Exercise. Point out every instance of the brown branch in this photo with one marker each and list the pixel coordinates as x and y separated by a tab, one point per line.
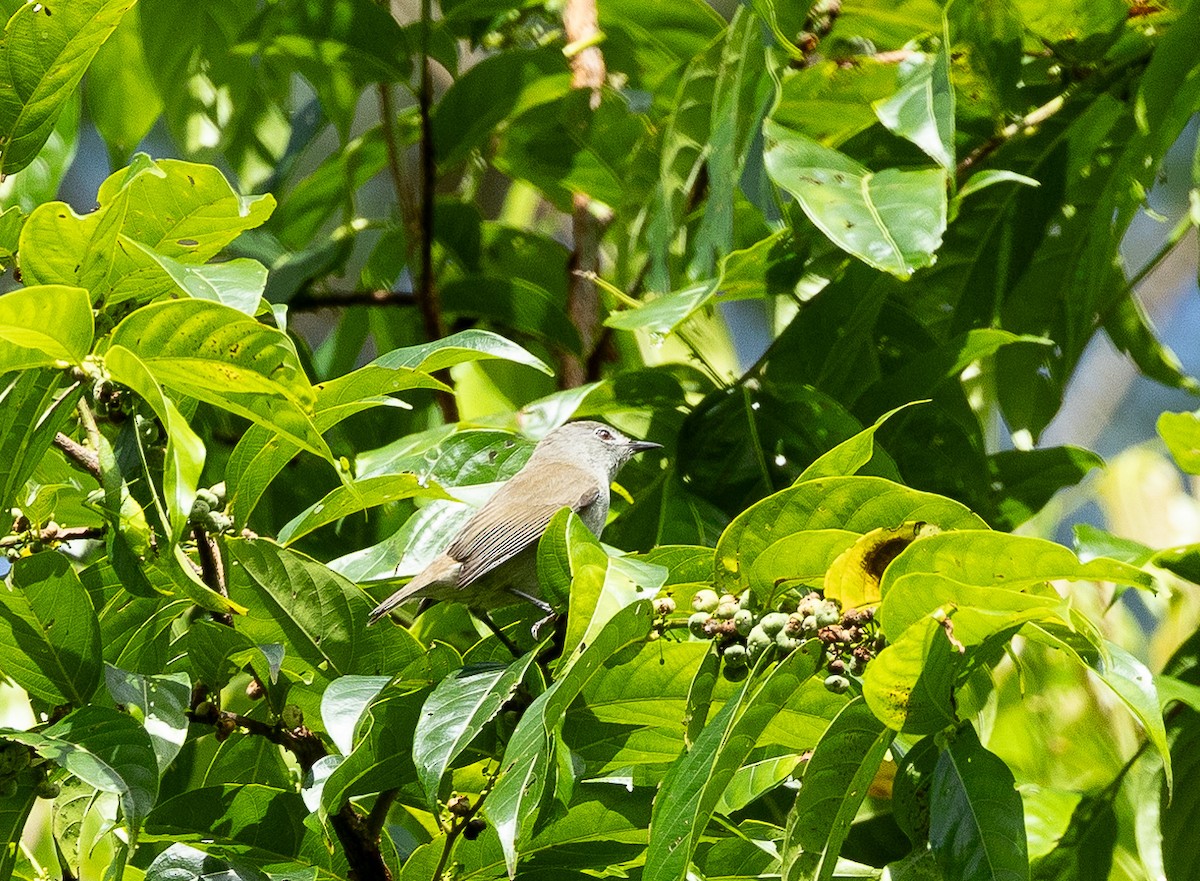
1025	125
310	302
212	571
588	221
70	533
379	811
79	454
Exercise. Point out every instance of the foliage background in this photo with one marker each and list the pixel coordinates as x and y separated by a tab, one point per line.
283	102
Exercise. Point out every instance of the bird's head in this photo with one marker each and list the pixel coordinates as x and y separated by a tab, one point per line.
593	445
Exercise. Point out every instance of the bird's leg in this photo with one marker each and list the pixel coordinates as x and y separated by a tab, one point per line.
500	634
551	615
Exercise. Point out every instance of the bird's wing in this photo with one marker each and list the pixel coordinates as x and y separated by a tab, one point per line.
491	537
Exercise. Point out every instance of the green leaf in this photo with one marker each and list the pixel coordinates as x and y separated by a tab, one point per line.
856	504
693	787
1179	813
892	220
216	354
909	685
249	820
1029	478
32	409
1086	850
322	616
1131	330
528	758
459	708
185	451
122	100
11	221
369	492
797	562
28	340
42	59
342	705
237	283
851	454
107	750
163	702
835	782
922	110
1181	433
49	635
179	862
382	757
14	812
39	181
460	348
513	303
977	826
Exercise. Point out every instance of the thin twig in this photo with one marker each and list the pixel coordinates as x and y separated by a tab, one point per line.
212	571
379	811
71	533
460	825
1024	125
311	302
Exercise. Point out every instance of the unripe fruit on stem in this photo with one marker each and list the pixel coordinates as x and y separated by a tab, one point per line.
837	666
254	690
664	606
809	626
726	611
758	642
837	684
705	600
827	615
786	642
48	789
743	621
292	716
773	622
735	655
696	624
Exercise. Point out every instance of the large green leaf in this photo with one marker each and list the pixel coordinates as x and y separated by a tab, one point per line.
1181	433
42	59
322	617
122	100
459	708
892	219
49	635
214	353
32	409
529	757
163	702
358	496
28	340
14	811
922	110
107	750
185	451
976	821
856	504
851	454
833	787
693	787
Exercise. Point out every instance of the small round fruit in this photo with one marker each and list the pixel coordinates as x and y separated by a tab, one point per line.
664	606
209	498
735	655
837	684
837	666
292	716
696	624
218	490
810	626
200	509
735	674
254	690
705	600
474	828
773	622
827	614
726	611
48	789
758	642
785	642
743	620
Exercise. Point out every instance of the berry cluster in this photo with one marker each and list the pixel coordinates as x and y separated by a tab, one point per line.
15	759
850	638
208	510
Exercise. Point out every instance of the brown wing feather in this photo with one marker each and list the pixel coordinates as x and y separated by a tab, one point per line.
491	538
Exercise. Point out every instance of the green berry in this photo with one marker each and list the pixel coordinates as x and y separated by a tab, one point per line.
809	625
48	789
773	622
827	614
787	642
664	606
837	684
705	600
292	716
735	655
743	620
209	498
200	509
726	611
758	642
218	490
696	624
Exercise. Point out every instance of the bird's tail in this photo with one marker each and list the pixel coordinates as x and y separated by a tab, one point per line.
433	575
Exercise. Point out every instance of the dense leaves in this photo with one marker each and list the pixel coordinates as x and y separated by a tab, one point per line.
827	255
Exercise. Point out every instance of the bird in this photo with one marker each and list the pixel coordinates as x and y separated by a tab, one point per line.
492	561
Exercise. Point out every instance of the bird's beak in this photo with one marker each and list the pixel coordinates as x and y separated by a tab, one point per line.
638	446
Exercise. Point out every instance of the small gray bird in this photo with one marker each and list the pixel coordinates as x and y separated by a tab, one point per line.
493	561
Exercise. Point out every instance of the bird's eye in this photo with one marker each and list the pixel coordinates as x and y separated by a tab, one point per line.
604	434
